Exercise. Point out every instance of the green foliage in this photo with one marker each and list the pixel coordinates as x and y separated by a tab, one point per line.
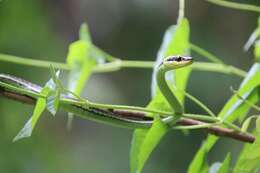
29	126
176	41
84	57
143	143
249	158
199	163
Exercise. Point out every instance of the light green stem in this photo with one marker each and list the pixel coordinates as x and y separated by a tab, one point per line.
193	127
234	5
118	64
181	10
206	54
220	68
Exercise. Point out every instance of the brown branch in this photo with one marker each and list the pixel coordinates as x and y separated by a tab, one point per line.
215	130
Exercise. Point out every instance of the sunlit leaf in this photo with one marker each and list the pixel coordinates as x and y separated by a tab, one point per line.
257	51
53	96
29	126
214	167
219	167
257	124
249	159
52	101
235	108
84	33
175	42
199	162
246	123
137	141
225	166
253	37
82	59
140	153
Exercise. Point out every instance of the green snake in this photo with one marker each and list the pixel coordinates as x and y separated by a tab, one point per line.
14	87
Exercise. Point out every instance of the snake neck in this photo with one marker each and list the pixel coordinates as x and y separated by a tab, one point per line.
166	91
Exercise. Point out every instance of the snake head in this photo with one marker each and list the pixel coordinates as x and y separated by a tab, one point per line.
177	61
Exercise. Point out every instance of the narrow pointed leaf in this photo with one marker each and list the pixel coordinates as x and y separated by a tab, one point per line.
225	166
257	124
137	141
29	126
81	61
235	108
199	162
249	159
52	101
221	167
175	42
84	33
246	123
147	145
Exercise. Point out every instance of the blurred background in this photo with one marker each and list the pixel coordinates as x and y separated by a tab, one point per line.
130	30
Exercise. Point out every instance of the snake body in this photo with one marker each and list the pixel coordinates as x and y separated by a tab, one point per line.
106	116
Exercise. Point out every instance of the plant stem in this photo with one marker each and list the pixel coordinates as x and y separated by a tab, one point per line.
216	130
181	10
192	127
205	53
118	64
234	5
220	68
32	62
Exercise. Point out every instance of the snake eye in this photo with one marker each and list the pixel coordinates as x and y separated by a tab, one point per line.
179	58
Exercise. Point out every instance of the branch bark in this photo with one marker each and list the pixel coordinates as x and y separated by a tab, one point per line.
215	130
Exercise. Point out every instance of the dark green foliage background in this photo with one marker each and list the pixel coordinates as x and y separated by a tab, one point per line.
129	30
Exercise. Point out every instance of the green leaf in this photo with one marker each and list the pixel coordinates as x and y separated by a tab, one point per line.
52	101
246	123
214	167
199	162
249	159
175	42
253	37
140	153
221	167
29	126
137	141
84	33
257	124
257	51
224	168
82	59
235	108
53	96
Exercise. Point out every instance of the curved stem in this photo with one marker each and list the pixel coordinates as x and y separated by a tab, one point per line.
205	53
234	5
118	64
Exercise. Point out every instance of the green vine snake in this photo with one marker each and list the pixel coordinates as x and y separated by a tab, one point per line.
14	87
